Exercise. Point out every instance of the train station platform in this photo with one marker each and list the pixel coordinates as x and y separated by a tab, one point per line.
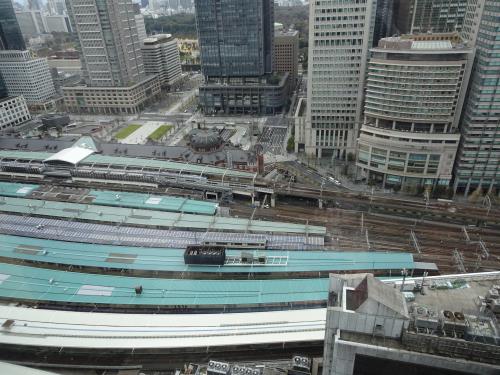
150	218
44	286
172	260
153	202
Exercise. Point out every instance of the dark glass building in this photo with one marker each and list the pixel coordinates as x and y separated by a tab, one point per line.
10	33
235	37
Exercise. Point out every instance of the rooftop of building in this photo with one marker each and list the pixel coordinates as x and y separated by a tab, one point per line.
458	311
287	32
158	39
430	43
118	154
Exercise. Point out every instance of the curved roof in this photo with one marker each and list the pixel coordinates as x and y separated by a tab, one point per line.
71	155
52	328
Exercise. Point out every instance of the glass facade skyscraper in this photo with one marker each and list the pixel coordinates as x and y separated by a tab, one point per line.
235	37
478	159
10	33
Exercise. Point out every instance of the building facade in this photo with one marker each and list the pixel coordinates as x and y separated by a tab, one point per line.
141	27
108	41
10	33
341	33
235	37
437	16
286	54
236	40
31	22
161	56
112	100
415	92
266	95
58	23
478	159
13	112
28	76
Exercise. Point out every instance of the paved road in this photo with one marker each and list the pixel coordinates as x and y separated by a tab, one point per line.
311	175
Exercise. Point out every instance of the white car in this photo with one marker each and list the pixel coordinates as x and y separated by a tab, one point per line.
336	182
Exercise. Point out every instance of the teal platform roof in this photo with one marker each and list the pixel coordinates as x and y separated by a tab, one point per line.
172	260
11	189
137	162
153	202
124	216
37	284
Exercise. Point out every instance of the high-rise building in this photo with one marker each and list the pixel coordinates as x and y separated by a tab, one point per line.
437	16
161	57
56	7
286	53
112	65
235	37
13	112
31	22
10	33
341	33
384	20
478	159
141	27
28	76
109	43
415	91
236	47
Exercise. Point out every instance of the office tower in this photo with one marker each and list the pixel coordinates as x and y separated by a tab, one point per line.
286	53
438	16
31	22
235	37
34	5
10	33
384	22
28	76
341	33
236	44
478	159
141	27
57	23
56	7
161	57
13	112
415	91
109	44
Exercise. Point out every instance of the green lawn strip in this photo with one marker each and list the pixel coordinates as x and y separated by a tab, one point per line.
125	132
160	132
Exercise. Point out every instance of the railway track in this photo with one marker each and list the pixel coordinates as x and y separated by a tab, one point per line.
347	232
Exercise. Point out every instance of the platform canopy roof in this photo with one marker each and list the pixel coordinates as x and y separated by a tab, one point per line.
72	155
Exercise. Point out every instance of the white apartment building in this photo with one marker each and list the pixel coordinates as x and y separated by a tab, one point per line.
13	112
28	76
109	42
341	33
415	91
161	56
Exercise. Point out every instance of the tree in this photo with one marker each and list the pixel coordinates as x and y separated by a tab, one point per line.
290	146
476	195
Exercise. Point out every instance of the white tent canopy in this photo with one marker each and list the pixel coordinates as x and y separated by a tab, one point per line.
72	155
